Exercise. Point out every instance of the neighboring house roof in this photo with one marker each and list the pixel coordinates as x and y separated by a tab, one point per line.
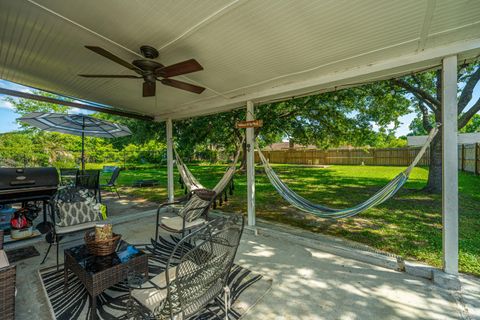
286	145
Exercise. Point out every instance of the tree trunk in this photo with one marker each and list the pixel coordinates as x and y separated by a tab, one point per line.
434	184
243	164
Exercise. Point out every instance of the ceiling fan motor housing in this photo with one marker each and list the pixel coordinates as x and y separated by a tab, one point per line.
149	52
147	65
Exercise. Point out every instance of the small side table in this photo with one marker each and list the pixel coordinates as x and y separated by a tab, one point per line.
100	273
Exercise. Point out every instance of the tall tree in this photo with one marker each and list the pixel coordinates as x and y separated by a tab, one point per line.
344	117
425	93
142	131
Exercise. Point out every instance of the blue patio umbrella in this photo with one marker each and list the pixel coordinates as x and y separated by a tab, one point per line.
76	124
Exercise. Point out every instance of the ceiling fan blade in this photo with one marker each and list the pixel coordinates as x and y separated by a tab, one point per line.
108	76
182	85
149	89
112	57
180	68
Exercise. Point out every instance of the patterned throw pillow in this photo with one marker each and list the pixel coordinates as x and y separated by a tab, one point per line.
76	213
75	206
193	209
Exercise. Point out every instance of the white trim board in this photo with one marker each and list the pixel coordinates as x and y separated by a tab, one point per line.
463	138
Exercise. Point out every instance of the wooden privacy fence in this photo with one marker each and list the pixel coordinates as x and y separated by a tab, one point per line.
469	157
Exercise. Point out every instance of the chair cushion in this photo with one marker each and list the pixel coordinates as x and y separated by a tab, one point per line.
193	208
153	297
176	223
3	259
76	213
76	227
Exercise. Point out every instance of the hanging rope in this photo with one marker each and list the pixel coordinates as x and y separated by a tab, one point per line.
326	212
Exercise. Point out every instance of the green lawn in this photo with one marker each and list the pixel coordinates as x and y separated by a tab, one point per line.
408	225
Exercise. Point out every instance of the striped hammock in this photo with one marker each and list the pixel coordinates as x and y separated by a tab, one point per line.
325	212
191	183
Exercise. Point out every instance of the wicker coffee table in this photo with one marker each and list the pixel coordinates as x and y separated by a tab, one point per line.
99	273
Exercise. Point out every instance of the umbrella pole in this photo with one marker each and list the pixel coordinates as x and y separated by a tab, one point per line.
83	145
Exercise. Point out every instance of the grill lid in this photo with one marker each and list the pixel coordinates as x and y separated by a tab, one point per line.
19	178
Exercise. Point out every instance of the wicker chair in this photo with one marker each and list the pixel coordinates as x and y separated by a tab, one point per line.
197	273
7	285
191	216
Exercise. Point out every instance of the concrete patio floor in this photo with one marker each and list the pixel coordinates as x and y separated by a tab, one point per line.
307	283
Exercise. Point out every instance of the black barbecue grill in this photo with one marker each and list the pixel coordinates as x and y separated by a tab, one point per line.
19	185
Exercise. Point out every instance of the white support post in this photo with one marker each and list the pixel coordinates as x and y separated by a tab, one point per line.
170	183
450	166
250	140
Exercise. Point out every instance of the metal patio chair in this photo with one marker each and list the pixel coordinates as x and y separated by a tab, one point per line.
196	273
192	215
70	212
89	179
68	176
111	183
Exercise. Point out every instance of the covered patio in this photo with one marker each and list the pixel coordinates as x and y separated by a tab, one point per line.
307	282
254	52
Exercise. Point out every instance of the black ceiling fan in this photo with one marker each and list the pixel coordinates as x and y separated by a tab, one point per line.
151	71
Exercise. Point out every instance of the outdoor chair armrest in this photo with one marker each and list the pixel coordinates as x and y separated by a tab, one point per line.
167	204
158	215
184	198
154	286
51	210
178	201
203	208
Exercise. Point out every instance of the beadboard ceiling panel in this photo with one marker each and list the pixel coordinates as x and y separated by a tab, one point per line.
259	50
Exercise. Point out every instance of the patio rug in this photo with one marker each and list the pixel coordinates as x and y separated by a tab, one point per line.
16	255
247	288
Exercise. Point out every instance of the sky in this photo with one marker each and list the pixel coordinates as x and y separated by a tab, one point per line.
8	116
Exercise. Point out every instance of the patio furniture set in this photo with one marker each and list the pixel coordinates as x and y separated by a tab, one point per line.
197	268
196	271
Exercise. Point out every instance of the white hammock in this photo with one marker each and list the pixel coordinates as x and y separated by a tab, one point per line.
323	211
192	183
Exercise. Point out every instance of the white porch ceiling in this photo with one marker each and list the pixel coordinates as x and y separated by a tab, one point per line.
259	50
